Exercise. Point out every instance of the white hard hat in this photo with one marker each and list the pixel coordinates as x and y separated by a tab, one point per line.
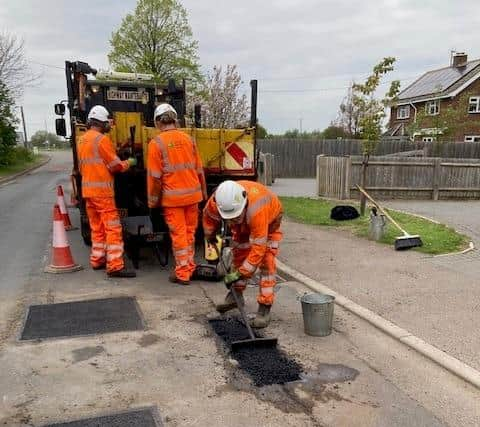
162	109
98	112
231	199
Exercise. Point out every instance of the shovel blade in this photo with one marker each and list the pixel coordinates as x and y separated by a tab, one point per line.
252	344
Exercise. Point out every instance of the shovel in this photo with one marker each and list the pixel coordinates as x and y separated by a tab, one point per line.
253	342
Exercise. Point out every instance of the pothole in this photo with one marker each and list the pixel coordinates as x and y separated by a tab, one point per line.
275	377
264	366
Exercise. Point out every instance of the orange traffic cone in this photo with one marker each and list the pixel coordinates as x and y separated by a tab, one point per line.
62	260
63	209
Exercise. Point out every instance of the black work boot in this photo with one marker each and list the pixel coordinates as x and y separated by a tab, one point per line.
262	319
122	273
174	279
229	302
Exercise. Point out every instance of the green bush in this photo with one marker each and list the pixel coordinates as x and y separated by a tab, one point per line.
7	127
23	155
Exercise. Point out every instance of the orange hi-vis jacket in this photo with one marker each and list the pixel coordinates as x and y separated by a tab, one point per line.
98	162
174	171
262	219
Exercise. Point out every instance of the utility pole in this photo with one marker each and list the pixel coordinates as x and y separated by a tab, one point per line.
25	142
301	127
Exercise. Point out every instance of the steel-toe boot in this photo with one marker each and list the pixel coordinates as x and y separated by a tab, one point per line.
262	319
229	302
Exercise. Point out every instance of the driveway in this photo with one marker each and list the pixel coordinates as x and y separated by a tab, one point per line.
462	215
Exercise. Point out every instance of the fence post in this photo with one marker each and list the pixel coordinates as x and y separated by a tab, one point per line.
262	169
348	167
436	177
320	181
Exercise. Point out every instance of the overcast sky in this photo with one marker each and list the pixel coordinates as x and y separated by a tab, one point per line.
303	52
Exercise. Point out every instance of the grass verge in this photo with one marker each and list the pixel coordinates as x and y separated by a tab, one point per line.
20	165
437	238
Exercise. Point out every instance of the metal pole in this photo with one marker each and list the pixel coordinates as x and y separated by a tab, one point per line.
253	106
25	142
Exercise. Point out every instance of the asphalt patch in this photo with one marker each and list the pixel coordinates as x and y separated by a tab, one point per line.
82	318
138	418
265	366
85	353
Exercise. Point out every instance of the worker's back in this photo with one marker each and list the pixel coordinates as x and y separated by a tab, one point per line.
173	157
97	180
261	202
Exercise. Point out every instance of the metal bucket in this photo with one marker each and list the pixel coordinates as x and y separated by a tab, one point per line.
317	312
376	229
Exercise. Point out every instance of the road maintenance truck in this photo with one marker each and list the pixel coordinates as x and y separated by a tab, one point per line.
131	99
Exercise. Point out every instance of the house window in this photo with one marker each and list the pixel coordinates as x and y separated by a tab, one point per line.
474	104
403	112
472	138
428	139
432	108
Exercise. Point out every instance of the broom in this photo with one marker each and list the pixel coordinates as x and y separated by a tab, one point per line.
407	241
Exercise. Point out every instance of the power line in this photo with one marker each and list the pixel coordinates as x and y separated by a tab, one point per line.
46	65
325	89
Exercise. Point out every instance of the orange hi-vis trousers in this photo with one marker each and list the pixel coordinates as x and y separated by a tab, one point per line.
182	223
268	269
107	239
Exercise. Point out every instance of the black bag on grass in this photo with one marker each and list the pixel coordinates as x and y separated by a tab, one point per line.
343	213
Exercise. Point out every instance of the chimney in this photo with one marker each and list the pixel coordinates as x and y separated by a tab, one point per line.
459	60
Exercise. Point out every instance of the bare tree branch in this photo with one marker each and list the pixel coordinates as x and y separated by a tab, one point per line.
14	69
223	106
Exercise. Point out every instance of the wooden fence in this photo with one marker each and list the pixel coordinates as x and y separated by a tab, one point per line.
295	158
400	177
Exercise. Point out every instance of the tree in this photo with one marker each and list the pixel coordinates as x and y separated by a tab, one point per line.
296	134
262	133
334	132
41	138
223	104
156	38
14	70
372	112
8	135
349	115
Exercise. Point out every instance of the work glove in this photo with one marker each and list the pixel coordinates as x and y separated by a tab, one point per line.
132	161
232	277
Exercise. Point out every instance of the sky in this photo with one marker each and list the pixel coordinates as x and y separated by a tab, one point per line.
304	53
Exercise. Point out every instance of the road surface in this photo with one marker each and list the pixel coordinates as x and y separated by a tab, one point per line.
25	225
357	376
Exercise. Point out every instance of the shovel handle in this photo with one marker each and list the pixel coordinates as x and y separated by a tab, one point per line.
241	308
383	211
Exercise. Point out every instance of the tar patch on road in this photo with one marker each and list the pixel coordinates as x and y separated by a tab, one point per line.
138	418
82	318
263	366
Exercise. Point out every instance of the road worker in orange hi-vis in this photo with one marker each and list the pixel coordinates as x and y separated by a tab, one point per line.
176	183
253	214
98	162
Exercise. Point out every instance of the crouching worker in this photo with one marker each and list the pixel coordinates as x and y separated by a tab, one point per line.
98	162
176	183
253	214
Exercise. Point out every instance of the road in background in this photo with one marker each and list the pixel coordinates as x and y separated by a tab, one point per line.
25	226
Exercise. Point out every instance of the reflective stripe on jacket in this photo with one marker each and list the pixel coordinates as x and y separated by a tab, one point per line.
262	218
98	162
174	171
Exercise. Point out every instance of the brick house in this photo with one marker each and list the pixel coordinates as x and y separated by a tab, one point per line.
453	91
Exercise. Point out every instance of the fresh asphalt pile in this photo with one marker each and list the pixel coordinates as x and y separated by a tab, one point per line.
265	366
